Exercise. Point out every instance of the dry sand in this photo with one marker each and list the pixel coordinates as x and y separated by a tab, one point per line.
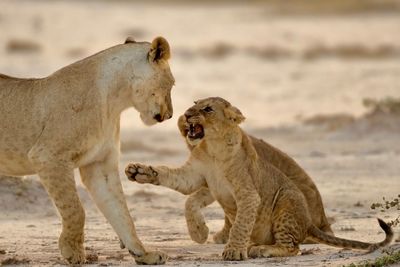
278	69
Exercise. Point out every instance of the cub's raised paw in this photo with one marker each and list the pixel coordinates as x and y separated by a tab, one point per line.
142	174
198	231
151	258
234	254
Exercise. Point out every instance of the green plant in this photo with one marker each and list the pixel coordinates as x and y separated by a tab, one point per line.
388	105
391	257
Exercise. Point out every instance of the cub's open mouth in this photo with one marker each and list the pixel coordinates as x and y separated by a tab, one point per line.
196	131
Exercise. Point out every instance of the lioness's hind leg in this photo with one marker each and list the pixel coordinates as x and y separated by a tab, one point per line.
60	185
196	224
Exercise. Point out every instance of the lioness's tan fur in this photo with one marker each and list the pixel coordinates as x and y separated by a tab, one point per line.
268	212
70	119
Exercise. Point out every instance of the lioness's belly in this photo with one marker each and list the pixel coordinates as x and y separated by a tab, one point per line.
15	164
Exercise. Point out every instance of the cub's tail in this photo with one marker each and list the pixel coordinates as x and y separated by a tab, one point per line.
324	238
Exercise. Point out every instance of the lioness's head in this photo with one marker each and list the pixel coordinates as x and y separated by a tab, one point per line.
209	118
151	80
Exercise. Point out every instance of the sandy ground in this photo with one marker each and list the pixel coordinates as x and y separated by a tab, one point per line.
278	69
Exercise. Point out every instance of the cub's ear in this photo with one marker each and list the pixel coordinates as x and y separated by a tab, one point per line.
159	50
233	114
130	40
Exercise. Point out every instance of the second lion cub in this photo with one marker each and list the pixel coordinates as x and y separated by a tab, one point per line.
268	212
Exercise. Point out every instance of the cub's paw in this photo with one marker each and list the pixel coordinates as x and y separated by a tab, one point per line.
151	258
221	237
198	231
234	254
142	174
258	252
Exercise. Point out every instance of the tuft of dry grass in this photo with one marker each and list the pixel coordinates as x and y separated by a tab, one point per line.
342	51
316	7
330	122
218	50
269	52
351	51
22	46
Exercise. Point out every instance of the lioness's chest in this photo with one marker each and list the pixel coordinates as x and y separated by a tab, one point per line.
97	147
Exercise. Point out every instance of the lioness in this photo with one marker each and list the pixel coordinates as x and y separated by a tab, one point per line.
268	212
71	119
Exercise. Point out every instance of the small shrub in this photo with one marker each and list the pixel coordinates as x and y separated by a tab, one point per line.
389	204
389	105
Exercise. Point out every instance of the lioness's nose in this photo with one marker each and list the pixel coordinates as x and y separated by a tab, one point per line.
158	117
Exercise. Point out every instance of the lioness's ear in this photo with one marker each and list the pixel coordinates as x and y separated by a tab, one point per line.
159	50
130	40
233	114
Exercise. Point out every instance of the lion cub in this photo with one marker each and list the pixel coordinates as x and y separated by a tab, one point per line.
268	212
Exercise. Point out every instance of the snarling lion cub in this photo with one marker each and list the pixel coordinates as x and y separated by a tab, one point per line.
268	212
71	119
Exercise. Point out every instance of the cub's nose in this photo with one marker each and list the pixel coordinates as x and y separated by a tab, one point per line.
189	113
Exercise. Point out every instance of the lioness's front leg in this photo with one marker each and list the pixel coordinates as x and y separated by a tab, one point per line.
103	182
185	179
247	202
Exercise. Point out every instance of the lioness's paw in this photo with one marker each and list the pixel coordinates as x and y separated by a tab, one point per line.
234	254
151	258
71	250
142	174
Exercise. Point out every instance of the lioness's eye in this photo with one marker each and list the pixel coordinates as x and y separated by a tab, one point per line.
208	109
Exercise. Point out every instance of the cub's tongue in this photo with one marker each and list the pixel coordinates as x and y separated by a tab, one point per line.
196	131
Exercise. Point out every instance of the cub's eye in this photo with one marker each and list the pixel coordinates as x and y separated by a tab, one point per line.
208	109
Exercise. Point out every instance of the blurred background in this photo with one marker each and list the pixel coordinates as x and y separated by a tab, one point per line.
318	79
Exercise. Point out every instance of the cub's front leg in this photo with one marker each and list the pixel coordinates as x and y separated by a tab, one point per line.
195	221
247	202
185	179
